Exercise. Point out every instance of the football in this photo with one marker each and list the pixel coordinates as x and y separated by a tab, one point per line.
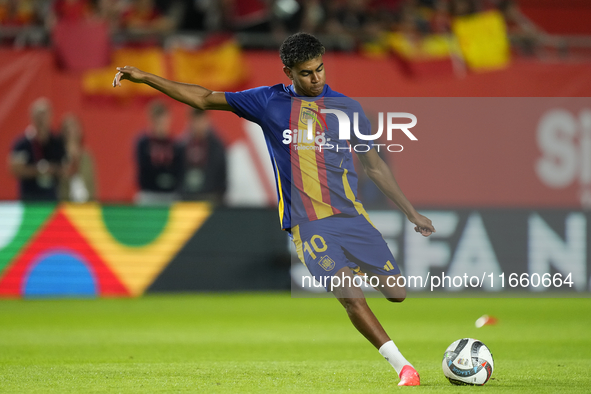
468	361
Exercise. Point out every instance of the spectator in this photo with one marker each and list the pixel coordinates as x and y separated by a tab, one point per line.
415	18
313	14
69	11
250	16
194	15
364	21
110	12
143	18
441	19
205	161
200	15
159	160
347	17
463	7
21	22
525	35
19	13
36	158
78	181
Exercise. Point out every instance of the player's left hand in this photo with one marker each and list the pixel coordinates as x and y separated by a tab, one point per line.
423	225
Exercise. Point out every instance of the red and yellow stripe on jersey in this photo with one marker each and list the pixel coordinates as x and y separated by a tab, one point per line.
308	166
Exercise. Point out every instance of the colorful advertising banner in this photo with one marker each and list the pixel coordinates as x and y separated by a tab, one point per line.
487	251
90	250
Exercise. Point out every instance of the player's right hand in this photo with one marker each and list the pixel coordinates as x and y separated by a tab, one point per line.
129	73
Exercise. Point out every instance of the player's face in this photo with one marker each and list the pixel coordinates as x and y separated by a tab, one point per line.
308	77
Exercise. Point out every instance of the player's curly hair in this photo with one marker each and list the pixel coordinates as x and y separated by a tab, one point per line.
299	48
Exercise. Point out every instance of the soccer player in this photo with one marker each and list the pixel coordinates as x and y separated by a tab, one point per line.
316	181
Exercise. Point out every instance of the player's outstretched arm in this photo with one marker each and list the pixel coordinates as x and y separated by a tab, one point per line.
380	174
193	95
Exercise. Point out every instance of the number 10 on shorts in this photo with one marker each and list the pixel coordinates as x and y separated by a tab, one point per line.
317	243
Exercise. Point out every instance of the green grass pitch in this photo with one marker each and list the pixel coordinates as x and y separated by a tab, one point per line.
272	343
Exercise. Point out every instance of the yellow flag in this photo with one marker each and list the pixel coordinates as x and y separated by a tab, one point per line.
483	40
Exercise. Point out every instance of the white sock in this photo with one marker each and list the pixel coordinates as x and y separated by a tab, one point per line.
393	356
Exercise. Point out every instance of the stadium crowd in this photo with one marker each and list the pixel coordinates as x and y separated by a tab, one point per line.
356	20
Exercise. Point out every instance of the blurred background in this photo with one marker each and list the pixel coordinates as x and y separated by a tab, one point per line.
118	192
